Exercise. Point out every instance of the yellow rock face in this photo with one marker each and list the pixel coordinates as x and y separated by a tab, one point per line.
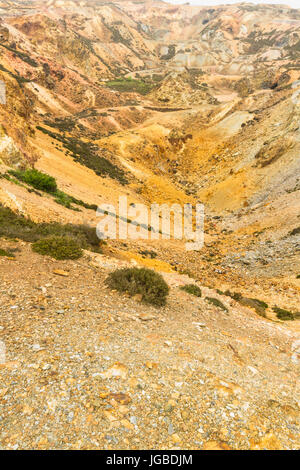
268	442
215	445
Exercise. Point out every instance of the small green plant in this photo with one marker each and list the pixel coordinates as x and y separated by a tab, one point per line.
234	295
216	303
192	289
64	200
283	314
145	282
149	253
220	292
6	253
58	247
298	276
258	305
36	178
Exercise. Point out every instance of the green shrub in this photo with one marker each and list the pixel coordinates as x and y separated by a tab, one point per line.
58	247
37	179
192	289
67	201
6	253
283	314
261	303
220	292
149	253
298	276
149	284
258	305
235	295
216	303
47	183
296	231
64	200
16	226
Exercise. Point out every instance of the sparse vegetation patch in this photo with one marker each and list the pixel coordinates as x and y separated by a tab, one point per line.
15	226
216	303
296	231
258	305
6	253
48	184
130	85
86	153
140	281
22	55
285	315
192	289
58	247
36	179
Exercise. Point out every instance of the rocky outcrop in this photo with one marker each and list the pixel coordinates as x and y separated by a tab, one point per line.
10	155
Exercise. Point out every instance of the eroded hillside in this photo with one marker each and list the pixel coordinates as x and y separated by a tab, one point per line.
167	104
109	101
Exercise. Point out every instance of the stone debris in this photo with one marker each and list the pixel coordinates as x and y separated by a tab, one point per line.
60	272
117	370
76	378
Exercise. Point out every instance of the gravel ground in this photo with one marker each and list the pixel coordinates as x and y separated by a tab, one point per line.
87	368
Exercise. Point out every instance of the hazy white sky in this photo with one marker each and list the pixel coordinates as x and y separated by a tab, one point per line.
291	3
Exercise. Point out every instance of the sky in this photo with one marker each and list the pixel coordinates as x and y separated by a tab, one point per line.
291	3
